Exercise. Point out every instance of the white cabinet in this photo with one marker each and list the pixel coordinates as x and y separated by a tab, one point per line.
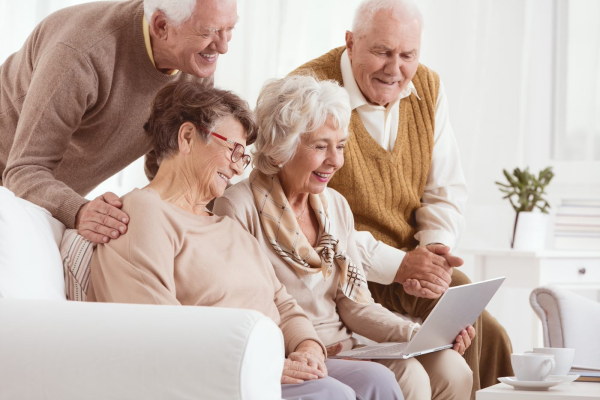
578	271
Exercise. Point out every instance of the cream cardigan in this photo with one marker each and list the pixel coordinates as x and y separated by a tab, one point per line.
333	315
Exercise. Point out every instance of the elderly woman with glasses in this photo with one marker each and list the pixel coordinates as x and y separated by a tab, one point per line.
307	231
176	252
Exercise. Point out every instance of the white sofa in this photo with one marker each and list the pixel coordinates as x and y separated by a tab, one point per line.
569	320
51	348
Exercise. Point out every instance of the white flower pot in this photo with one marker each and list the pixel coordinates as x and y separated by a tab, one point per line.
531	231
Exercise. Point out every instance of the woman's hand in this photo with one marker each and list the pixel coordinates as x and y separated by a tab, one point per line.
311	353
335	349
298	372
463	340
306	363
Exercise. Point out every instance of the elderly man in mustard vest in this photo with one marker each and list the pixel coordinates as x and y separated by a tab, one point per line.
402	175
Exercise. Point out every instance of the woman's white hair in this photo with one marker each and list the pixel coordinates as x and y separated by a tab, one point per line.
289	108
177	11
363	17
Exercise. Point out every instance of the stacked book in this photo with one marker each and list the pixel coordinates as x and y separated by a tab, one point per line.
586	375
577	225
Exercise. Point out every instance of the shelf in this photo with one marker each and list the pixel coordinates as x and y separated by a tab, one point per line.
546	253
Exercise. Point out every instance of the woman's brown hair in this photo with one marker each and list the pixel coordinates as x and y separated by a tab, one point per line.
193	102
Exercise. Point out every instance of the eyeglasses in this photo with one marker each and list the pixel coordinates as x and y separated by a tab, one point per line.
237	153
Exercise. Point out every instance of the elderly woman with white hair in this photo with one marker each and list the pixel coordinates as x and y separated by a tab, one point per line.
307	231
173	245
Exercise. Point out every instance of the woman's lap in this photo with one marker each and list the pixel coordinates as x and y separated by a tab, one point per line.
348	380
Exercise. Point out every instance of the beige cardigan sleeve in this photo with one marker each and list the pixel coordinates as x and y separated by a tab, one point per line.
295	325
138	267
372	321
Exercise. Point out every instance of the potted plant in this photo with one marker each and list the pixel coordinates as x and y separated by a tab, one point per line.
526	192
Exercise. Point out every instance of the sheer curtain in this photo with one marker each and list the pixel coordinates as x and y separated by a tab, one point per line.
18	18
578	81
495	59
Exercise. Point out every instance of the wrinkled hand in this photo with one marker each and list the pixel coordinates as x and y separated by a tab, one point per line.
311	353
335	349
298	372
306	363
427	271
463	340
101	219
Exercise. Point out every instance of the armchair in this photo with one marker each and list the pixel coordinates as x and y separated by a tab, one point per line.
569	320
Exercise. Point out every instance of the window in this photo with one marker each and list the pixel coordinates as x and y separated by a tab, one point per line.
576	136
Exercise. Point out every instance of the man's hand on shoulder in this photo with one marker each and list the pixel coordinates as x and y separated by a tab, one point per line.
427	271
101	219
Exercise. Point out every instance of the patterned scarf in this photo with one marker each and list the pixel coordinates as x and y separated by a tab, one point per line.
282	229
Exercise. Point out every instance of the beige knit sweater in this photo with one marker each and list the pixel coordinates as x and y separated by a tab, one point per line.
73	102
170	256
333	315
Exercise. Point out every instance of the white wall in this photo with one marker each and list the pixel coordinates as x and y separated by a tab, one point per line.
494	57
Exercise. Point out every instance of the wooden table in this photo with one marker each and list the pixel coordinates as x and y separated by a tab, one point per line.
568	391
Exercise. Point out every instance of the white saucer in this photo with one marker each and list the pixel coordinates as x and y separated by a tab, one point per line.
565	378
531	385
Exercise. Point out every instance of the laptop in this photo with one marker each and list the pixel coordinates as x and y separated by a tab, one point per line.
458	308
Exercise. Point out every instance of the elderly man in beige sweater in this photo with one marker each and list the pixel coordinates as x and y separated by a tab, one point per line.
73	100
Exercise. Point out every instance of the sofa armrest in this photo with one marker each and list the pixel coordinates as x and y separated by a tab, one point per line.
569	320
72	350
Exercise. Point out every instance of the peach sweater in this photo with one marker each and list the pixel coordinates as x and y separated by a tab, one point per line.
170	256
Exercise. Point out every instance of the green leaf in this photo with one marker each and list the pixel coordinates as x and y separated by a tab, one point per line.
527	188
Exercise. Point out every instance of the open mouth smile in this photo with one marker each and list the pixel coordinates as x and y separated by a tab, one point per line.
208	57
392	83
223	176
321	176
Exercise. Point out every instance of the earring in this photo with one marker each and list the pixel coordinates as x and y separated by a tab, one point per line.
280	165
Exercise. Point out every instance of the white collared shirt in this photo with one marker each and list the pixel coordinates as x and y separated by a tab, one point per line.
440	218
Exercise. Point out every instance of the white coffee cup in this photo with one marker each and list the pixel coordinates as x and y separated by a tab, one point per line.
532	366
563	357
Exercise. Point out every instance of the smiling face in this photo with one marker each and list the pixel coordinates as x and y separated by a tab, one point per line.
195	45
212	163
385	57
319	155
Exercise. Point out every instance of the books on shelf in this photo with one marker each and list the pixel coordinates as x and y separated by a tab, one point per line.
577	242
580	202
577	225
586	375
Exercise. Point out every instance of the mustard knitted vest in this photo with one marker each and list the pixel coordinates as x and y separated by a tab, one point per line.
383	188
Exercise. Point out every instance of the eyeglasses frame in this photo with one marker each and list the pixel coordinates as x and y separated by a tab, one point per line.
246	158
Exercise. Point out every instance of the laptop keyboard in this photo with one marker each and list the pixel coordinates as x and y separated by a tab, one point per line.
382	351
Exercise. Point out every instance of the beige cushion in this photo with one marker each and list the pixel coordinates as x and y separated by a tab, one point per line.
76	253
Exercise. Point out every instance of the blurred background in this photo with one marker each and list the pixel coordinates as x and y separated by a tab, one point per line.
523	84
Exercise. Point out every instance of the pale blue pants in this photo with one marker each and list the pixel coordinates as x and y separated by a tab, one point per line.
348	380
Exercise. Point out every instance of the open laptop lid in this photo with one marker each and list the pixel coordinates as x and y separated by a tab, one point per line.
458	308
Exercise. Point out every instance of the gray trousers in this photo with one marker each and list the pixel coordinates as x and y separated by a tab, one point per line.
348	380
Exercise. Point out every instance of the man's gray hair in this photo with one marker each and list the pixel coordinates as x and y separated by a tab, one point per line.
363	17
176	11
289	108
